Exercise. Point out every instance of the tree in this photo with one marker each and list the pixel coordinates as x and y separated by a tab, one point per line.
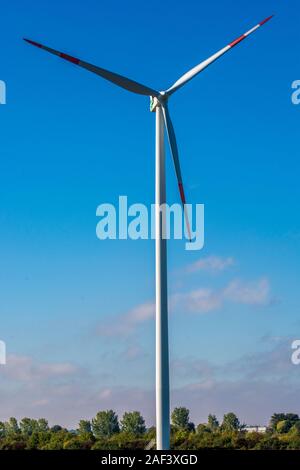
33	441
105	424
57	439
2	429
231	422
84	427
212	422
13	442
275	418
28	426
56	428
202	427
11	426
133	423
290	418
295	429
42	425
181	419
74	443
283	426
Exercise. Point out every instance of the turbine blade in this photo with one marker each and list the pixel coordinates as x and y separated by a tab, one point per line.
175	155
117	79
200	67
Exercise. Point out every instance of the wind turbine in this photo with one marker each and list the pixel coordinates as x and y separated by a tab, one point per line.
159	105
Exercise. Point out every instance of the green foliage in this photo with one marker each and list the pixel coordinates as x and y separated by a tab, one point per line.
295	429
269	443
230	422
56	428
181	419
33	441
290	420
42	425
57	440
13	442
104	433
293	442
151	433
253	439
212	422
283	426
100	444
105	424
77	443
2	429
203	428
275	418
84	427
28	426
133	423
120	441
11	427
180	439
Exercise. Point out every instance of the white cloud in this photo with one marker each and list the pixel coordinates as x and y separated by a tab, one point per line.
106	393
204	300
124	325
253	293
213	264
141	313
253	386
201	301
25	369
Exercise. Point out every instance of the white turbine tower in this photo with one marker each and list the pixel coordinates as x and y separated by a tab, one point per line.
159	104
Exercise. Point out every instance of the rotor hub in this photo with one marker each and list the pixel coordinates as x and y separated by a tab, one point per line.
156	101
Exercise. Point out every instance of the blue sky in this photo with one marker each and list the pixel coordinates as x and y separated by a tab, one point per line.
71	141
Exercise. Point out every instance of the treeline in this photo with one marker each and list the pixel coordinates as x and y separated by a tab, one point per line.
106	431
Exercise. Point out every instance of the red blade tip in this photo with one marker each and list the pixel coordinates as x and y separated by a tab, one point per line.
266	20
32	42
